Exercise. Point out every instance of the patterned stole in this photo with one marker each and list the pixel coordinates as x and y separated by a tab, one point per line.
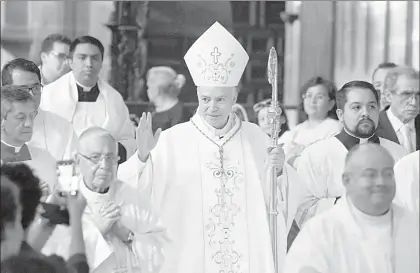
89	96
350	141
11	154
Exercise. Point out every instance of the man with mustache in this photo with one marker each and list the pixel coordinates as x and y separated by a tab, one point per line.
400	122
364	232
85	100
322	164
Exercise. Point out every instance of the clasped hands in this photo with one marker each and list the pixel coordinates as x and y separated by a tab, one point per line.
108	221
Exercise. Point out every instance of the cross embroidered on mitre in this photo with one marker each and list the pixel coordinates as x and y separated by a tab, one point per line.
216	58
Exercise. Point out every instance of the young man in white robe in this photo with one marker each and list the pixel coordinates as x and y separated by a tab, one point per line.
407	180
208	178
321	164
18	111
364	232
121	232
50	131
86	101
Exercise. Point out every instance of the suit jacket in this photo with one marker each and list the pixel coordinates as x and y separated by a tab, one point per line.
385	129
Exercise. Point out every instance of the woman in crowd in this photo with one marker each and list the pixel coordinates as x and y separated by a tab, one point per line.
318	95
163	88
261	110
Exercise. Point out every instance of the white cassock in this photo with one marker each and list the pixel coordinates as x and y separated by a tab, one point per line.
321	166
107	254
215	214
345	240
108	111
407	181
41	162
54	134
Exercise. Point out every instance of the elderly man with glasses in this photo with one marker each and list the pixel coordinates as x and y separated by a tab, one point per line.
400	121
50	131
120	230
18	111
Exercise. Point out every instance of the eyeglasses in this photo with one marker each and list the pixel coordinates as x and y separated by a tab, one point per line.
113	159
60	56
35	89
316	97
408	96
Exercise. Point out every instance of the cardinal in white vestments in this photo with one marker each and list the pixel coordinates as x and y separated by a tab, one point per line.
208	177
407	181
18	110
87	101
121	232
321	164
50	131
364	232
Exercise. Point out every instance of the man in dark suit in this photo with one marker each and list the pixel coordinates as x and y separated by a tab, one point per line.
378	79
400	121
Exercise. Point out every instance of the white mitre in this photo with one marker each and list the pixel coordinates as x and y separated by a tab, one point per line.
216	58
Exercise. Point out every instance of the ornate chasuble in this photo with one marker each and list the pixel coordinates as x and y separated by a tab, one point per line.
224	200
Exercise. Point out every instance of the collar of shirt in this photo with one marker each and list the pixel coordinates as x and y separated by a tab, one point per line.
15	149
396	122
349	141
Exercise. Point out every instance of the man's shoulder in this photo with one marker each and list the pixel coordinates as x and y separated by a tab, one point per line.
41	154
410	159
395	148
323	147
56	120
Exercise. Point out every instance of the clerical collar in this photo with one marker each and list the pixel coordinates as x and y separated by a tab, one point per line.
87	94
220	133
11	153
371	220
349	141
96	200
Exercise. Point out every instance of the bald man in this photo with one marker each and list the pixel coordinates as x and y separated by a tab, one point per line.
120	231
364	232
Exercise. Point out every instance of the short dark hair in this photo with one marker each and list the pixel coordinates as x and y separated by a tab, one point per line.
11	94
30	192
341	98
329	85
18	64
48	43
8	206
384	65
87	40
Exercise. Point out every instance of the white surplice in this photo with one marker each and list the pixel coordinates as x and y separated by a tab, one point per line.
302	135
107	254
321	166
54	134
343	240
109	111
407	181
216	220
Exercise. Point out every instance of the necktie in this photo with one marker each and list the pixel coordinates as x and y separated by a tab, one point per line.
408	141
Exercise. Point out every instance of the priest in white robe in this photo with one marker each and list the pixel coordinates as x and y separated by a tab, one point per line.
50	131
364	232
208	177
321	164
407	181
86	101
18	111
121	232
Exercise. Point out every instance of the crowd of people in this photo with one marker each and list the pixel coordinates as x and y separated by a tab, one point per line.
84	189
